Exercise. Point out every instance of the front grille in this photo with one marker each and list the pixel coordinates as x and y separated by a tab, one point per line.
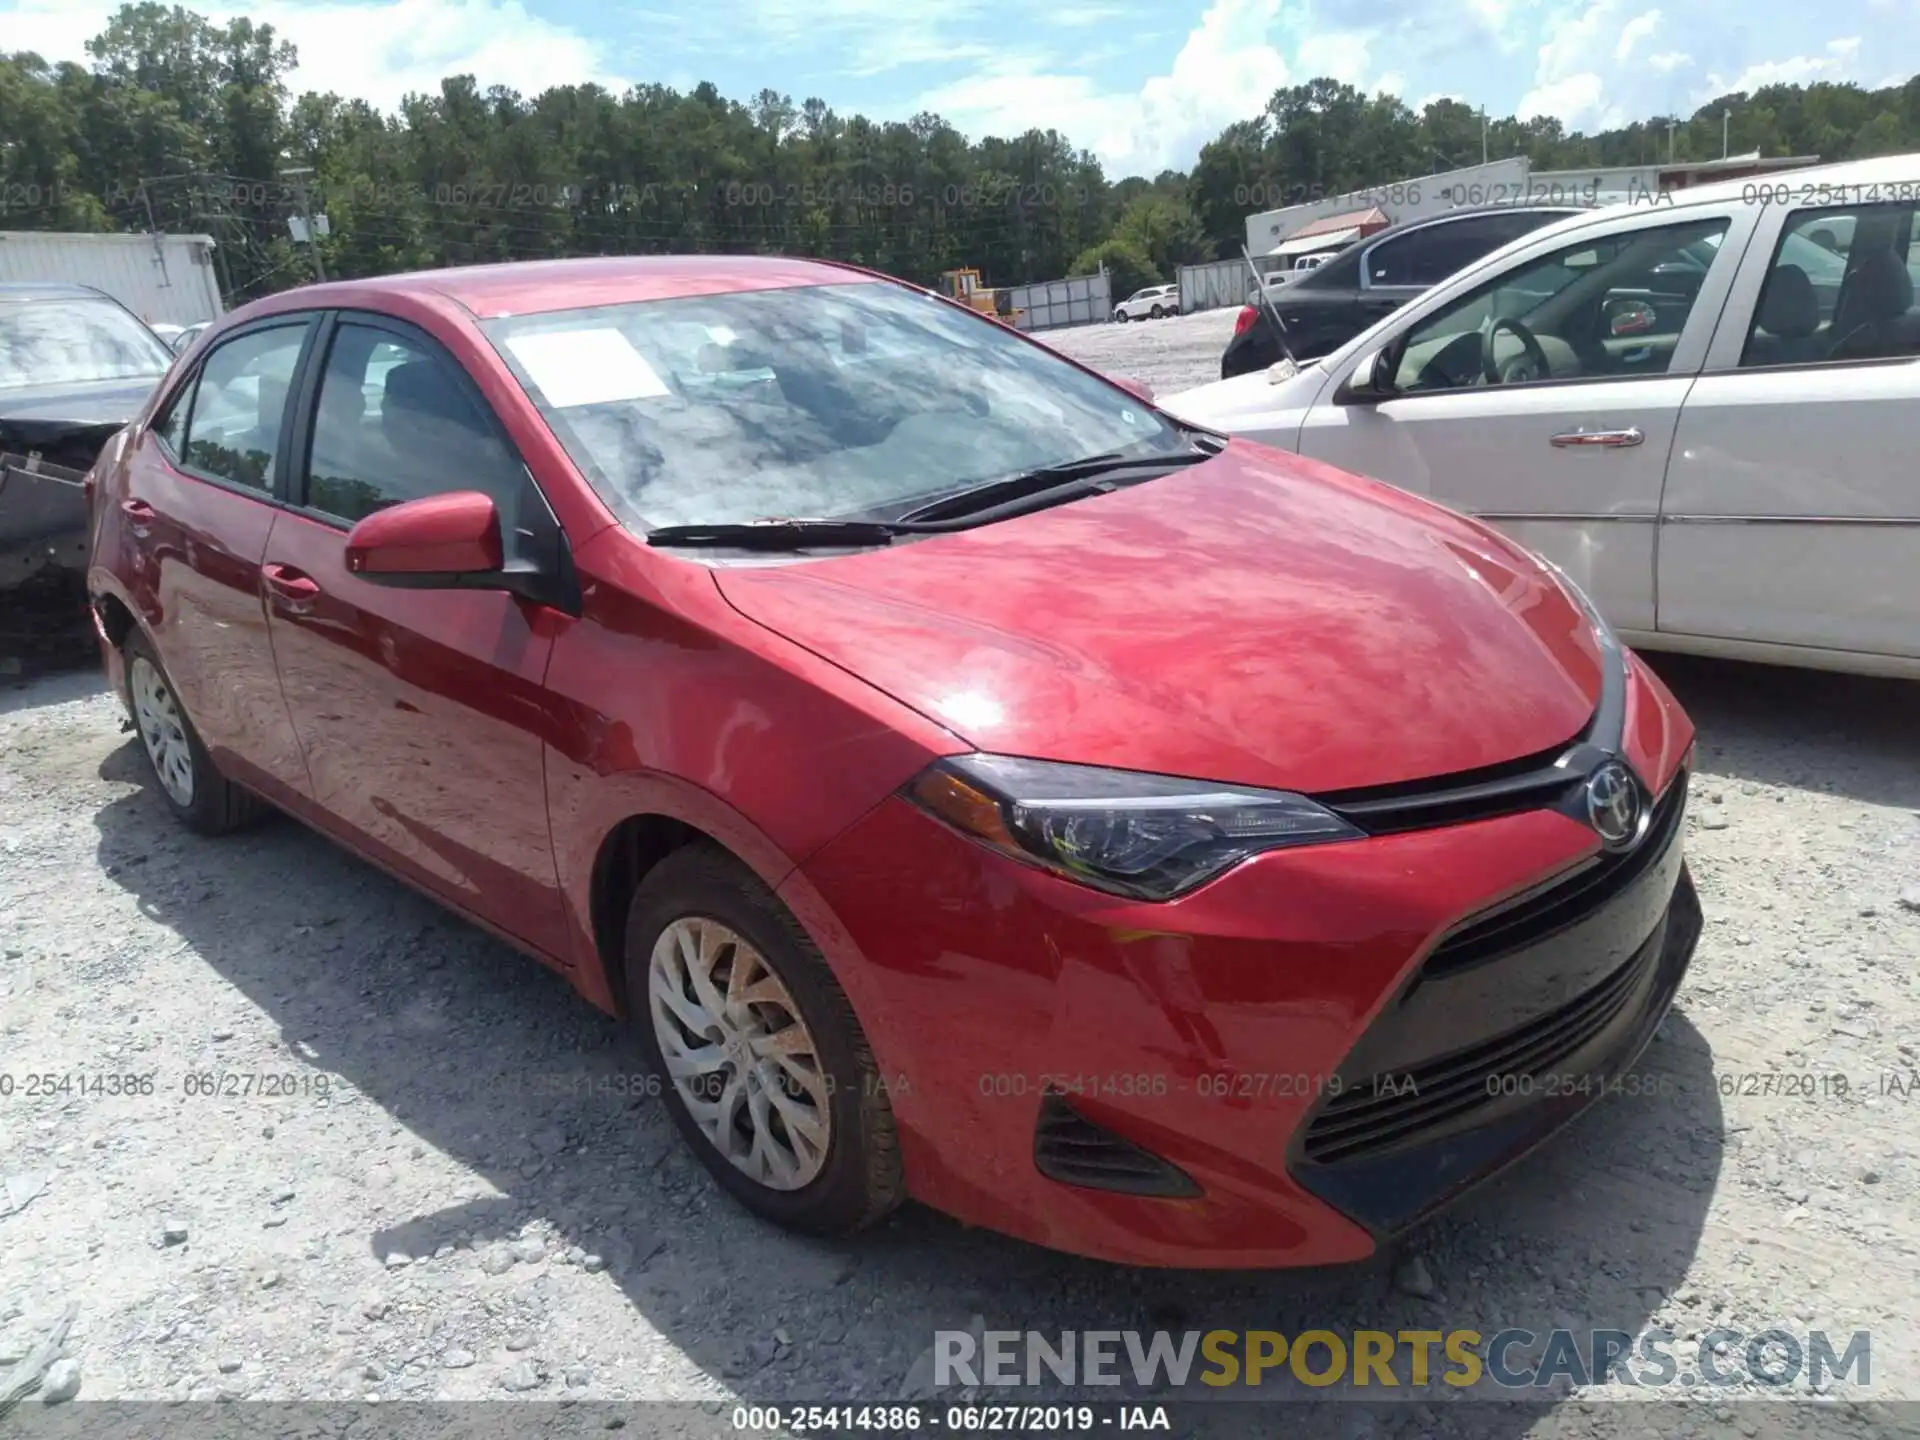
1532	782
1070	1148
1405	1102
1540	914
1381	1112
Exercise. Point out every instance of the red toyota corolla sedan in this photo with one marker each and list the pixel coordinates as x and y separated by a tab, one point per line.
972	782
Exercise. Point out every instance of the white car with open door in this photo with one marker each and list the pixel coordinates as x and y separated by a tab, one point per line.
1706	411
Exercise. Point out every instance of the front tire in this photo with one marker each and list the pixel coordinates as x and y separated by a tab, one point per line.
199	796
762	1061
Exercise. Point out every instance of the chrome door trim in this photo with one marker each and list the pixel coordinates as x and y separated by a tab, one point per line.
1564	515
1892	520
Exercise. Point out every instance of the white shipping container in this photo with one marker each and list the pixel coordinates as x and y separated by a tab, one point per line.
164	279
1497	182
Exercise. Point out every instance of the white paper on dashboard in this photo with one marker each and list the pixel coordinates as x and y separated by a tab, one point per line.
586	367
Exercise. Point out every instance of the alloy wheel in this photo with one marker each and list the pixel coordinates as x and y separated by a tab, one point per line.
738	1053
162	730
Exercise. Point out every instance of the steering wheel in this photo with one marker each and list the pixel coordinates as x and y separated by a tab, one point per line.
1537	366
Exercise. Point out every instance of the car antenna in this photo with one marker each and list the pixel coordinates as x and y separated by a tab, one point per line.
1279	325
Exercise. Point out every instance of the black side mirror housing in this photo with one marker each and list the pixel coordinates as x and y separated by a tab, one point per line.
1368	382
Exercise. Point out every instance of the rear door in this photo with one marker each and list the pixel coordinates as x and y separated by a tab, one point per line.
1568	461
1792	512
422	713
200	501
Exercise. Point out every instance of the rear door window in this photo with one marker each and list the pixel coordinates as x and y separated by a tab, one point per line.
1401	260
1841	286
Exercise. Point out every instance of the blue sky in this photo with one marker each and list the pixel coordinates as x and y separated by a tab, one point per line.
1141	84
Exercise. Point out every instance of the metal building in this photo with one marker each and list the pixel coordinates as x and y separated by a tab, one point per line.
164	279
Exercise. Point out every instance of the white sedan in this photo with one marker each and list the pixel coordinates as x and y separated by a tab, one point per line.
1706	411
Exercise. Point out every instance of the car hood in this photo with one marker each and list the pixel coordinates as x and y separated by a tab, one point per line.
1235	404
107	402
1258	618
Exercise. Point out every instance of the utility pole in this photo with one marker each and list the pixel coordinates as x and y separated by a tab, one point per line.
1483	134
298	174
159	249
1726	130
203	197
1672	125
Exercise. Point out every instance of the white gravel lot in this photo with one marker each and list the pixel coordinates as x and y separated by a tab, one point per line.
1171	354
417	1215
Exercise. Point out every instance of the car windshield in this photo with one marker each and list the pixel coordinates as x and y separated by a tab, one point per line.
75	342
841	401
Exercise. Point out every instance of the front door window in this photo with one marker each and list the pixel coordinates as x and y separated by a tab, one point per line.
1595	308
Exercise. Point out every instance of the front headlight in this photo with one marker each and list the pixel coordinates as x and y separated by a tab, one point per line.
1149	837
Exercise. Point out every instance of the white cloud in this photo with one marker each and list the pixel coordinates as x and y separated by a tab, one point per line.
377	52
1226	70
1634	31
1594	72
1837	64
1565	83
1576	99
1339	54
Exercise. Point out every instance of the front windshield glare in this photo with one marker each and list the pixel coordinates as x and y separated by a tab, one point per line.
76	342
843	401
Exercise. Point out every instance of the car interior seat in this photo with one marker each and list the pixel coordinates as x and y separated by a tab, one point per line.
1785	322
1872	318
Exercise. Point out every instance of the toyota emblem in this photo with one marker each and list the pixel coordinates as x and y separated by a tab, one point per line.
1613	805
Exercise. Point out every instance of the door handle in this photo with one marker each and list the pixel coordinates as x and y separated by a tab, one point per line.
290	583
137	510
1603	439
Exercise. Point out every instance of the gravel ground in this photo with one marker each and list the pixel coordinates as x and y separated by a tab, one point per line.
472	1208
1171	354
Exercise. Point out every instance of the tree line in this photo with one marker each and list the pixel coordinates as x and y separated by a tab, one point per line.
184	125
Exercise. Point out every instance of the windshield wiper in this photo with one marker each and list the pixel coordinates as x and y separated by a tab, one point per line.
1063	481
782	534
995	493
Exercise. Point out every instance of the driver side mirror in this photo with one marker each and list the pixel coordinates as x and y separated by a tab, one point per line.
1136	387
1369	381
1629	317
439	542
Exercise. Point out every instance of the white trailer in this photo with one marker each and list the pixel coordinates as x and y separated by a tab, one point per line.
164	279
1501	181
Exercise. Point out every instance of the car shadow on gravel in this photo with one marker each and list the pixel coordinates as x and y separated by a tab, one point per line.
461	1045
1778	726
48	688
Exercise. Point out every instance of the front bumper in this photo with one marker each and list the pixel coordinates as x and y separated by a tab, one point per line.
1228	1033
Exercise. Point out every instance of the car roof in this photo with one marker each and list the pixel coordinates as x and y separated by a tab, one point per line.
1829	184
530	286
51	290
1842	176
1464	212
